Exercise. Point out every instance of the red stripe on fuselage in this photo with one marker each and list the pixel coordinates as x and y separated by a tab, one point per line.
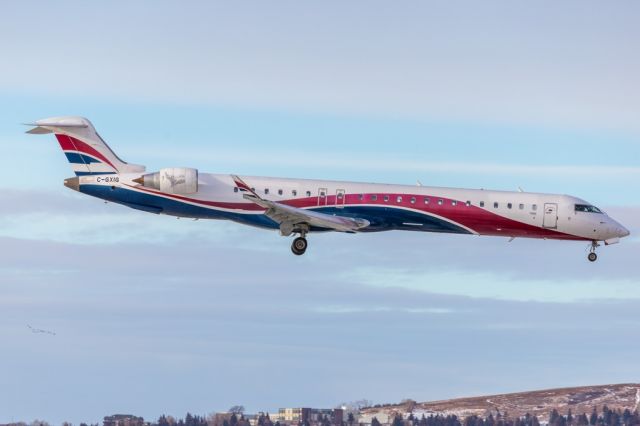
478	219
231	206
69	143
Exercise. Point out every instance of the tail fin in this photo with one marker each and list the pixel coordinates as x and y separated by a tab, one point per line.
83	146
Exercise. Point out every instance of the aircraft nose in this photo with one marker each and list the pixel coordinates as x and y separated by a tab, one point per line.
624	232
618	229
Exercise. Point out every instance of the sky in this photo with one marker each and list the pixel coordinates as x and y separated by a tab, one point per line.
155	315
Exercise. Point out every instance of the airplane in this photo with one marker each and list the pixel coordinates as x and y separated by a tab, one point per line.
302	206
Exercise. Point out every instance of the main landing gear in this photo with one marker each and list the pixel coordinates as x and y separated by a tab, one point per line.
299	246
592	251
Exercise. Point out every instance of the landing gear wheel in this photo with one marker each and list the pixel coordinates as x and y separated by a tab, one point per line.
299	246
592	257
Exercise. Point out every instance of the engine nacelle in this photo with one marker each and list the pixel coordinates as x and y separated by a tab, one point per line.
173	180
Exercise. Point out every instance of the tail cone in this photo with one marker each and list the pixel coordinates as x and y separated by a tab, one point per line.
72	183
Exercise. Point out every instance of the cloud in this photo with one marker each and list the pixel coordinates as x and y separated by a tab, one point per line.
76	218
431	61
186	314
399	163
225	314
417	257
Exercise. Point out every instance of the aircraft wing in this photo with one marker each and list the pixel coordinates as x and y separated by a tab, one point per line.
288	216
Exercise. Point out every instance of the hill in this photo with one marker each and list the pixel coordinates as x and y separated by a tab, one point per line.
578	400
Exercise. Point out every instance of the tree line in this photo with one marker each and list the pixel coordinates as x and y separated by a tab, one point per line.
606	417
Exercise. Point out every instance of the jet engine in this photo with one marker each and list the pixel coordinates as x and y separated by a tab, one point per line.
173	180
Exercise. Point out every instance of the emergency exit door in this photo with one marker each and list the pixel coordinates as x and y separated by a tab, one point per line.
340	196
322	196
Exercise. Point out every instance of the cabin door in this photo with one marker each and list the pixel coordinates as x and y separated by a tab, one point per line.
550	216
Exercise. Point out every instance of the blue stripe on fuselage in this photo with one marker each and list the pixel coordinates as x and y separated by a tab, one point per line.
381	218
94	173
155	204
392	218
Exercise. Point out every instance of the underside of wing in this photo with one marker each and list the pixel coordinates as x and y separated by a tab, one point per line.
284	214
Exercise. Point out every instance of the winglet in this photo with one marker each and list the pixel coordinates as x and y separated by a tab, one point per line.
243	187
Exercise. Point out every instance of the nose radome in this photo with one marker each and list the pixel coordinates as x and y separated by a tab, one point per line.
617	228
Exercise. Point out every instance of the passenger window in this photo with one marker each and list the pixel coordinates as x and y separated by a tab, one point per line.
399	199
360	197
413	200
426	200
266	191
294	192
340	195
454	202
386	198
521	206
308	193
279	191
235	189
481	203
253	189
495	205
509	205
374	197
468	203
440	202
322	194
534	207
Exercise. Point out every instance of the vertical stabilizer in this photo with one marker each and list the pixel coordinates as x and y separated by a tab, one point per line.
83	146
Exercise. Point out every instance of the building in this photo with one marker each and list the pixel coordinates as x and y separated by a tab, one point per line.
293	415
365	419
123	420
311	416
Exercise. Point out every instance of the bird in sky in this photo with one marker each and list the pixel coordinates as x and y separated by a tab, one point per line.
40	331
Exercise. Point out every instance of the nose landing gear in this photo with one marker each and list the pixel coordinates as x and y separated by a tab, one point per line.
592	251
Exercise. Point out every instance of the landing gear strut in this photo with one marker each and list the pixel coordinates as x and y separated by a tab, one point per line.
299	246
592	252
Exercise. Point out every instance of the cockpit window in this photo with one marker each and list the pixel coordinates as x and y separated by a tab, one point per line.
587	208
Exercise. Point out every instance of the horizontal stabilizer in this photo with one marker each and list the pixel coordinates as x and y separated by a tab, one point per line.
38	130
48	124
60	122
